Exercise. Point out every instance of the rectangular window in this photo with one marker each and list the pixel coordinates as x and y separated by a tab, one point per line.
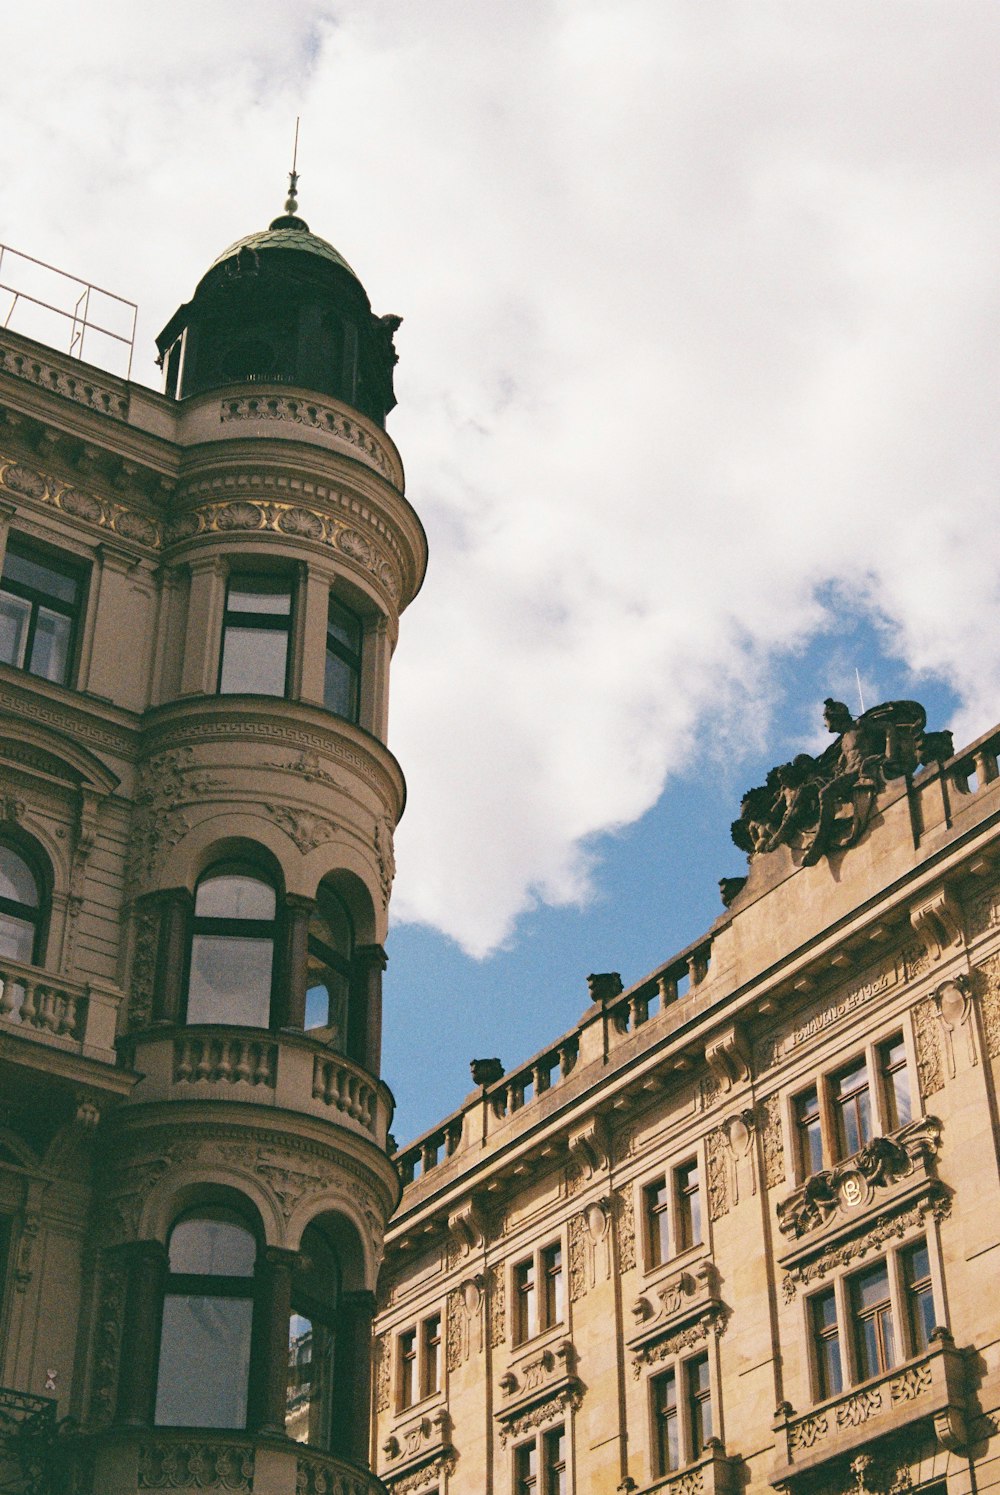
525	1301
526	1469
666	1428
895	1083
852	1108
919	1295
256	630
552	1286
40	605
342	680
656	1208
809	1132
699	1396
431	1372
408	1368
871	1314
826	1345
688	1206
554	1463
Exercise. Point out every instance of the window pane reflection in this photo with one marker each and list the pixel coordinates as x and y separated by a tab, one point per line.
14	617
230	980
232	896
204	1362
309	1414
254	661
212	1246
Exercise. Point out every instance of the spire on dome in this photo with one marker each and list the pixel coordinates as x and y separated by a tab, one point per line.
288	219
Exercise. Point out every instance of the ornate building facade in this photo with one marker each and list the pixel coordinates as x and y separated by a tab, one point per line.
738	1229
200	596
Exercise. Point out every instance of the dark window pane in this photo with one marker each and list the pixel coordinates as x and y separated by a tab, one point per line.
15	614
16	880
340	687
344	627
28	571
204	1362
234	896
208	1245
230	980
254	661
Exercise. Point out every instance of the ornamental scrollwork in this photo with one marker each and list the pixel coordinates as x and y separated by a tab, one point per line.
625	1219
567	1400
195	1466
879	1164
878	1234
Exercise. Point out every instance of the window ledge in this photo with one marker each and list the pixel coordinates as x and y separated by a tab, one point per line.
423	1439
679	1314
544	1339
714	1473
689	1259
929	1387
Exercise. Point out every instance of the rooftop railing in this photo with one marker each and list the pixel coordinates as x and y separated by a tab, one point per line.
53	307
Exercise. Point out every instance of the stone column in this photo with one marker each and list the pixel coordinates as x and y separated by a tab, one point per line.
290	992
314	607
203	627
352	1387
269	1352
174	905
147	1269
364	1017
7	512
376	652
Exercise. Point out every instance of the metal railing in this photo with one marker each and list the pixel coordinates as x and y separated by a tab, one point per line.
29	1437
35	290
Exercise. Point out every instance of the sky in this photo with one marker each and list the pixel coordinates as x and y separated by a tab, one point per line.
697	400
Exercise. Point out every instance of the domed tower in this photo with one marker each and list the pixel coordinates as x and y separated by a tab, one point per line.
200	597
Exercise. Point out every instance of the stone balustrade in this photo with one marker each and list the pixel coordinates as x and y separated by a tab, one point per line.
74	1015
669	985
515	1091
288	1070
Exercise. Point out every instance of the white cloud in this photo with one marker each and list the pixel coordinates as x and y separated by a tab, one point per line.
700	316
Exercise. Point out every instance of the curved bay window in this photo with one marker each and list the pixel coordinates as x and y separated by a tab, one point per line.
328	972
311	1342
21	908
204	1365
232	948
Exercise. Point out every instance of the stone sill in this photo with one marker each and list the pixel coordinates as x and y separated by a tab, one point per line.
715	1473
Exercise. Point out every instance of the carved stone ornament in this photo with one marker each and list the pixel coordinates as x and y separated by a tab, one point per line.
817	806
171	1465
774	1146
987	985
555	1405
465	1321
677	1314
625	1227
937	923
729	1150
386	857
168	781
589	1146
728	1057
383	1372
851	1184
466	1230
428	1477
307	829
496	1306
418	1442
876	1235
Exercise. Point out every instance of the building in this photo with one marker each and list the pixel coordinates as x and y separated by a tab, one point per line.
199	599
738	1229
735	1232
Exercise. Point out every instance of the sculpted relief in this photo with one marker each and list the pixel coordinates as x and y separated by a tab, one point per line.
821	805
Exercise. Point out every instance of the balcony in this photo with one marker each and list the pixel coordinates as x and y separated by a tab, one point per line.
286	1070
928	1389
54	1023
203	1459
30	1446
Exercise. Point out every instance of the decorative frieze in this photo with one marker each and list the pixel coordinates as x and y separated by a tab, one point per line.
317	416
496	1305
987	983
567	1399
174	1465
774	1145
427	1477
729	1152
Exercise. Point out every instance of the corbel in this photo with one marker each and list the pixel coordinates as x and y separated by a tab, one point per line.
589	1146
467	1228
728	1057
937	922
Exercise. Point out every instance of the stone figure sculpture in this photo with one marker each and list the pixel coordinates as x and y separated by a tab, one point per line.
820	805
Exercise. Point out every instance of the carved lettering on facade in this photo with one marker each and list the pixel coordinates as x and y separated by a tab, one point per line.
771	1051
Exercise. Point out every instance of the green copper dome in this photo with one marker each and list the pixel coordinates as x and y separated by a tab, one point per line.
287	232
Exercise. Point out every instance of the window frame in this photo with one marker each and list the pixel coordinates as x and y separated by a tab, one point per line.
353	659
223	927
538	1292
412	1343
883	1118
683	1414
72	568
670	1210
265	578
541	1481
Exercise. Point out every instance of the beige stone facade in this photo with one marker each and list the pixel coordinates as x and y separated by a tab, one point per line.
199	601
738	1229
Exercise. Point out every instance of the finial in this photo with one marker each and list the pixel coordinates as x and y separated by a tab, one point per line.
291	202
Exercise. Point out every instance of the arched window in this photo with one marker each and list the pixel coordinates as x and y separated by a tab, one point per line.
204	1367
311	1342
331	945
232	948
21	908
